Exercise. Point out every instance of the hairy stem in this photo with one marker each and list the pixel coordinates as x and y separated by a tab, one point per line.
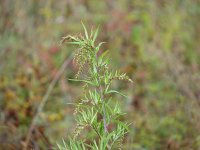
104	110
102	97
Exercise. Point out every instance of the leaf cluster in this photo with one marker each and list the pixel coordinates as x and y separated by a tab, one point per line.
94	110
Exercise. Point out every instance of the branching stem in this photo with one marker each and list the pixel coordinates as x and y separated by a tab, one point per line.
102	97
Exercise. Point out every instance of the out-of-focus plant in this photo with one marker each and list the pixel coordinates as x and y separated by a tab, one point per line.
94	111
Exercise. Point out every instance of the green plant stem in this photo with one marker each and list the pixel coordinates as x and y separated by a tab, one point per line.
98	81
104	110
95	129
102	97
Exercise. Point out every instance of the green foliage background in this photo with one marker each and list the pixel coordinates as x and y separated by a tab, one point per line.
156	42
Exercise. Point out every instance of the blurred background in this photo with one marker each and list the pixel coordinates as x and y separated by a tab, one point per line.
156	42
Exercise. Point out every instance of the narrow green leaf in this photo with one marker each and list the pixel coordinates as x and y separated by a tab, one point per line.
74	43
95	34
64	143
91	33
85	30
60	148
99	45
113	91
93	118
101	57
86	81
